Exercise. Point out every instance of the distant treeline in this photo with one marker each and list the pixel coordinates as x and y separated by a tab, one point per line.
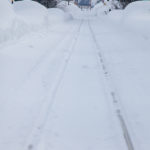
53	3
46	3
126	2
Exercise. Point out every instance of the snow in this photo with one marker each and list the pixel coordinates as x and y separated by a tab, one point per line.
70	9
56	15
79	112
59	71
25	17
6	23
105	7
31	12
124	39
116	16
6	10
100	9
136	17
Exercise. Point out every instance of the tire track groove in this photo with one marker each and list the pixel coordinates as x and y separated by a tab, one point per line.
37	131
113	94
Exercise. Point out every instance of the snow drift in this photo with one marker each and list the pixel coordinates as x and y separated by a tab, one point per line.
71	9
105	7
20	18
7	18
136	17
6	14
56	16
25	17
99	9
116	16
31	12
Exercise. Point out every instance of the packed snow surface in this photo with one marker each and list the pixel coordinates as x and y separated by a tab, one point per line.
65	75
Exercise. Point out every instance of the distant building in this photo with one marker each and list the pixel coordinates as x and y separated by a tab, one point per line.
83	3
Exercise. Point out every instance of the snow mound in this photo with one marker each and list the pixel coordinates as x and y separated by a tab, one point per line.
71	9
7	20
31	12
102	8
20	18
116	15
24	17
56	15
99	9
136	16
6	11
62	5
105	7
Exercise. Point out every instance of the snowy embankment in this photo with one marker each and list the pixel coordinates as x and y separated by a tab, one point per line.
71	9
25	17
7	20
134	18
105	7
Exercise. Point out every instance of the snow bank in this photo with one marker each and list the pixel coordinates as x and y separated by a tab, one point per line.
25	17
56	15
7	17
71	9
6	11
116	15
105	7
31	12
99	9
20	18
136	17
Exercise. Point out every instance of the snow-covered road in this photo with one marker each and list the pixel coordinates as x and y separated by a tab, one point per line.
80	117
62	87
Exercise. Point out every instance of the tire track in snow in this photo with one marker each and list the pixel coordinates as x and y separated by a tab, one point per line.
114	96
40	62
46	55
36	133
